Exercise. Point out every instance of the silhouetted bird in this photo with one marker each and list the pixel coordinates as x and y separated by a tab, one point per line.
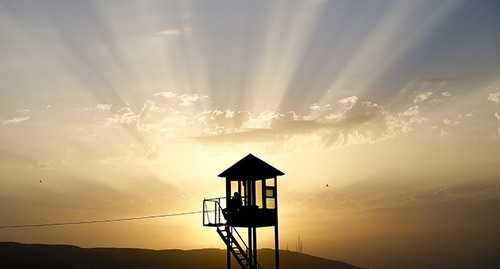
40	180
327	185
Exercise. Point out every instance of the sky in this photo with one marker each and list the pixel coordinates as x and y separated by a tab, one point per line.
112	109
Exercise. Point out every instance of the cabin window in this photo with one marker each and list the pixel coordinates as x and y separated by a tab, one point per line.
269	192
234	187
238	186
270	203
259	202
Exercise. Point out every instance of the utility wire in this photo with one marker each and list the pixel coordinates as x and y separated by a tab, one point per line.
99	221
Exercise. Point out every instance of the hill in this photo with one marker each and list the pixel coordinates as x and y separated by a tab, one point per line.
16	255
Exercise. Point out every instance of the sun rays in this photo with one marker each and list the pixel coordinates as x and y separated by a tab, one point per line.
132	106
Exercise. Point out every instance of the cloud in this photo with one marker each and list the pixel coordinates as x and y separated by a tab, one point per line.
45	164
174	31
51	164
348	100
478	192
482	191
446	94
23	111
153	116
494	97
103	107
15	120
190	99
362	113
243	127
450	122
361	122
404	121
440	80
358	123
442	134
215	122
497	114
124	116
411	111
315	107
262	120
184	100
354	121
165	94
150	117
466	115
422	96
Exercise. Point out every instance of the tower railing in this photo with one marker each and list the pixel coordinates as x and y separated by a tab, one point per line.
212	211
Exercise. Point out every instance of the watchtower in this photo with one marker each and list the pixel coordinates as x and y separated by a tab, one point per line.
250	202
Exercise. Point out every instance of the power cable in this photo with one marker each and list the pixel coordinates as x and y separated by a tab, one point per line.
99	221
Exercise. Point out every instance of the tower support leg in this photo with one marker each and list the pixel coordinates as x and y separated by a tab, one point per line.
254	247
250	247
228	257
276	247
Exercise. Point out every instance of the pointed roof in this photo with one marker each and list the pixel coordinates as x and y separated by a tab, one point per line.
251	167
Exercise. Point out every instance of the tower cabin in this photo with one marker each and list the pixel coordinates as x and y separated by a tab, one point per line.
250	202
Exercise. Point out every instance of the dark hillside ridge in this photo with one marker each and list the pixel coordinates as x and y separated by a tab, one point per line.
17	255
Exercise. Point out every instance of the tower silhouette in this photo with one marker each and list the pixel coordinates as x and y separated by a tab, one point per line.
250	202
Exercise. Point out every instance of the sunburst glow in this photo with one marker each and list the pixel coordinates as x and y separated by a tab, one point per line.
129	108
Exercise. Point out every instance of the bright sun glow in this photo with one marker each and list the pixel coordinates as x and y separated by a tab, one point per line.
384	115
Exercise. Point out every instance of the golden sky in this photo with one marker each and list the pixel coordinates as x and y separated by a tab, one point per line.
112	109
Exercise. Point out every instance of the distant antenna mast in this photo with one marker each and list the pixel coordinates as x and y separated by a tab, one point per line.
299	246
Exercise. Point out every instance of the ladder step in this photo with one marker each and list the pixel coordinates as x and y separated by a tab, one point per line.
240	255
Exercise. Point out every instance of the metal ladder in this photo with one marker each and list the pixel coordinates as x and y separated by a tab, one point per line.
235	248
